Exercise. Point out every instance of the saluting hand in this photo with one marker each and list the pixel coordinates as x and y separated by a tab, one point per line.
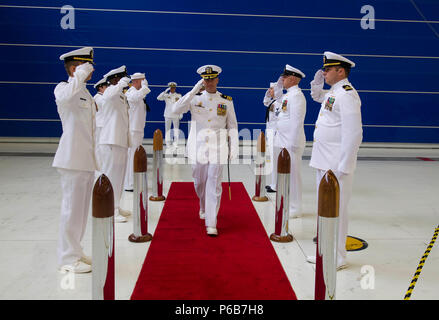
319	78
198	86
271	92
125	81
85	70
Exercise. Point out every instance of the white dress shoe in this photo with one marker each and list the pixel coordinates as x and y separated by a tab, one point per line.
120	219
202	215
77	267
125	213
86	259
212	231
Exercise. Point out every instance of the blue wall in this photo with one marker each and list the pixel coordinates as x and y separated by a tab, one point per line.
396	75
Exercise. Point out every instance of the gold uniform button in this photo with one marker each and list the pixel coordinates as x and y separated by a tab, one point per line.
208	120
210	109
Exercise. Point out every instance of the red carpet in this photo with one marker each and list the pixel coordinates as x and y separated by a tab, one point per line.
183	263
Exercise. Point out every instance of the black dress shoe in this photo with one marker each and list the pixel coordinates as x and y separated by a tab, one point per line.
129	190
314	240
269	189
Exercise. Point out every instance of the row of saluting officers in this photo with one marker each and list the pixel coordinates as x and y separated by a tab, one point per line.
337	137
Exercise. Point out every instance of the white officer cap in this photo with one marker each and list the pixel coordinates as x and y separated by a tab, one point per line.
209	71
291	71
119	72
172	84
84	54
100	82
333	59
137	75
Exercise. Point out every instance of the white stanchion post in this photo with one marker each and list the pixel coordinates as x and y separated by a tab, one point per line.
140	198
260	170
103	240
281	233
157	167
327	237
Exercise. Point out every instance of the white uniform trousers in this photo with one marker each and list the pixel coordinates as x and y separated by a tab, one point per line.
76	189
207	181
136	140
114	163
295	178
345	183
176	123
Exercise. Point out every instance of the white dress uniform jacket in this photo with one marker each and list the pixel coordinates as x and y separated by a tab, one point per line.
268	100
338	132
99	124
210	113
116	120
137	110
290	113
137	116
170	99
76	108
100	113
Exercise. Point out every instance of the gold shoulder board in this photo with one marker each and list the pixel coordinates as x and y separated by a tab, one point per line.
226	97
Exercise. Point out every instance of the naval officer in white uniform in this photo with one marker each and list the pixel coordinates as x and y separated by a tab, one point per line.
289	112
137	115
213	121
115	135
100	87
337	136
170	96
271	95
75	158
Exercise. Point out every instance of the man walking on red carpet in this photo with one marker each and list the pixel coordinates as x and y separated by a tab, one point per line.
213	121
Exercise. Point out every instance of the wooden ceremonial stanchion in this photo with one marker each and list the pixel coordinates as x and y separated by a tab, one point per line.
282	199
260	170
103	240
157	167
327	237
140	198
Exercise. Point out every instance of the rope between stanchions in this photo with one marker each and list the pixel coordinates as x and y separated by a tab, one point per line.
421	265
